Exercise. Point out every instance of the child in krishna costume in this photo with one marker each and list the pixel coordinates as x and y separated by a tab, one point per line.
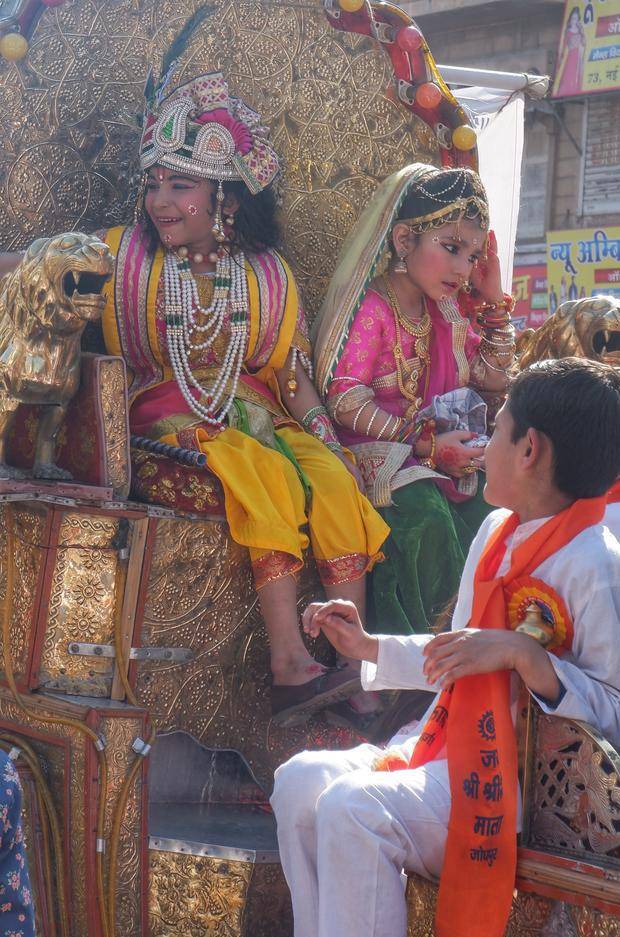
207	316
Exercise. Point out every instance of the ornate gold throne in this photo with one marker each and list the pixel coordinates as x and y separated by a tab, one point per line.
125	614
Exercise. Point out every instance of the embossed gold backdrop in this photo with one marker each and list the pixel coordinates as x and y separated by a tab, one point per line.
68	116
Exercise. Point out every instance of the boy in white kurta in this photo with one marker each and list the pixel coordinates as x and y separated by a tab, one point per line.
346	831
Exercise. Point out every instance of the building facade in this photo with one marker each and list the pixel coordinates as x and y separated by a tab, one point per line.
571	168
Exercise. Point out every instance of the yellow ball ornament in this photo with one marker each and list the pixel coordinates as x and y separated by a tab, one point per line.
13	47
464	137
351	6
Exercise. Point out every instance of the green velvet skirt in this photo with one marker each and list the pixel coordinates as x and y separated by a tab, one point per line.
424	557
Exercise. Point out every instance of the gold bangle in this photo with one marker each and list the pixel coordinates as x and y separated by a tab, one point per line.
430	462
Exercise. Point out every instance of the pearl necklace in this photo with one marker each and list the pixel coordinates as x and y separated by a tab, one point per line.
182	307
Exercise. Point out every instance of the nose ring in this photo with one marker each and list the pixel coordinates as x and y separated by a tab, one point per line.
192	209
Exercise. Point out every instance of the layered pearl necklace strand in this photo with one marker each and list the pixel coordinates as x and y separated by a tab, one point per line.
182	309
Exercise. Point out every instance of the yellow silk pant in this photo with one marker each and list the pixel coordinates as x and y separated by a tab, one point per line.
266	508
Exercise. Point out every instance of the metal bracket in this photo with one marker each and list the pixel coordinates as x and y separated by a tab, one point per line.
140	747
332	7
406	92
444	135
176	655
383	32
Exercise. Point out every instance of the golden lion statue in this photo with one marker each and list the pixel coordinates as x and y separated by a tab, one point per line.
45	304
585	328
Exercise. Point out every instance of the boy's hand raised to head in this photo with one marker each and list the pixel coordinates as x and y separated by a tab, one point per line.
340	623
471	651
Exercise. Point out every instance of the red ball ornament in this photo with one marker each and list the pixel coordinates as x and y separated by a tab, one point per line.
410	39
428	95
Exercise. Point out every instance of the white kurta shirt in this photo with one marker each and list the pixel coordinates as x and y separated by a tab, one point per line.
612	519
586	574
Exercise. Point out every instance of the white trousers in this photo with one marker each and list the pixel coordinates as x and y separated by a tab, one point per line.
346	834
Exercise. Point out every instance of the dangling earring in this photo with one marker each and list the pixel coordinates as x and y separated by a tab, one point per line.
466	286
138	209
218	225
230	220
400	266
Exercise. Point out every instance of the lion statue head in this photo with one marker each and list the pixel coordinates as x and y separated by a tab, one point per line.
585	328
58	285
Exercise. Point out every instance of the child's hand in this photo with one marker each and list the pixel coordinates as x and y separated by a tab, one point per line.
340	623
470	651
487	276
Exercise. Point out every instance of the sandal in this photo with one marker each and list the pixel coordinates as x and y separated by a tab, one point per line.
293	705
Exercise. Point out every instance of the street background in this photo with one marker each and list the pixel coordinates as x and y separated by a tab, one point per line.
568	235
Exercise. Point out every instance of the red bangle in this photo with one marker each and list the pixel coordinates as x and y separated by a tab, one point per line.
428	428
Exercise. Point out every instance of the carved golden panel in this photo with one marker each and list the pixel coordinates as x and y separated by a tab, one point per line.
200	595
421	902
196	895
119	735
66	778
29	531
114	413
590	923
199	895
52	761
67	118
81	605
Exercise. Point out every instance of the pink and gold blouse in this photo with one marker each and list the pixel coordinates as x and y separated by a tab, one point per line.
367	367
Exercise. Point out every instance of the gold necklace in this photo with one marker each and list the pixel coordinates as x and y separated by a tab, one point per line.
407	378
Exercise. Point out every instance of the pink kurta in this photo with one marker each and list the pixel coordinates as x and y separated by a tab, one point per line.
367	360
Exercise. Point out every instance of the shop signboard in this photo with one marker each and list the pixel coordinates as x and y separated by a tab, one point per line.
529	288
589	51
583	263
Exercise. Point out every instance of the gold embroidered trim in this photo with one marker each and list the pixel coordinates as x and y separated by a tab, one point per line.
452	314
343	568
274	565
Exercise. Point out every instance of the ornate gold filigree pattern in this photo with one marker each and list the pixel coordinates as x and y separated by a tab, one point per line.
30	525
120	734
200	595
68	791
422	903
196	895
531	915
68	120
81	606
65	773
114	413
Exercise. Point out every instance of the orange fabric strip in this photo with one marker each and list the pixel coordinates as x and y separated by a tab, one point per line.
473	719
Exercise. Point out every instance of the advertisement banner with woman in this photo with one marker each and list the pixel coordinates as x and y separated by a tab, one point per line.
589	52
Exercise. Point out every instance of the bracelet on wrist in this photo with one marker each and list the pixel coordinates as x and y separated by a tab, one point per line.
430	461
317	422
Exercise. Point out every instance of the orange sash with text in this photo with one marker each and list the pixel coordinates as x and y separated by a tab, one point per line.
472	719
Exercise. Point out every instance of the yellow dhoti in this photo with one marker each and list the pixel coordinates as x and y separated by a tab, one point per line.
267	512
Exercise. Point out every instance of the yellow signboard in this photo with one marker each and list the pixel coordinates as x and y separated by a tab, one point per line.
589	53
582	263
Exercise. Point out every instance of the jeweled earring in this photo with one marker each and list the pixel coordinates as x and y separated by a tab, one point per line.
230	220
466	286
218	225
400	266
